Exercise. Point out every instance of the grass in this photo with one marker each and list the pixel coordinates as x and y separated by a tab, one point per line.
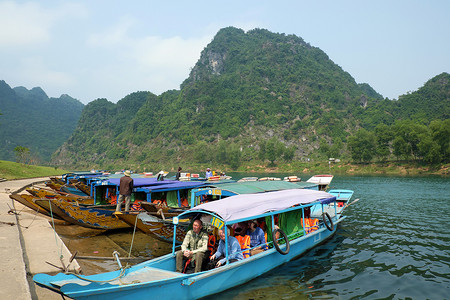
11	170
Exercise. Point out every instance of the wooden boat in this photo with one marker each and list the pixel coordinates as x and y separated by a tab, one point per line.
45	193
28	201
154	207
90	216
157	278
151	224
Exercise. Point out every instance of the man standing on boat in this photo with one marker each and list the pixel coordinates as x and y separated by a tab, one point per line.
194	247
208	173
125	189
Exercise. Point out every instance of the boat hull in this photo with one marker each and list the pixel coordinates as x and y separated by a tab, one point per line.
90	217
154	226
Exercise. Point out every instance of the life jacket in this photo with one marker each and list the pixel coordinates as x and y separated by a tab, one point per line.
212	246
160	203
136	205
113	200
244	241
310	224
184	202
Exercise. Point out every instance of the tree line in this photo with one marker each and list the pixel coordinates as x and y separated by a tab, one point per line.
404	140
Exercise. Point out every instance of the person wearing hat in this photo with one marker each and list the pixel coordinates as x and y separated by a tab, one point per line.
160	176
125	189
208	173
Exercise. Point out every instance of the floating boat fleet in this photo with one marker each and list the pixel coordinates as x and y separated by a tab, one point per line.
166	210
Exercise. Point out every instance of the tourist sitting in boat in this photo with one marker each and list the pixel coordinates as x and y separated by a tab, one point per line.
257	238
193	249
240	233
234	250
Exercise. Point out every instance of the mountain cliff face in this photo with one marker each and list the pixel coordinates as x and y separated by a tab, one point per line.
29	118
248	93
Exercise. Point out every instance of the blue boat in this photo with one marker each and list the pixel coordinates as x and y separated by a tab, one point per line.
157	278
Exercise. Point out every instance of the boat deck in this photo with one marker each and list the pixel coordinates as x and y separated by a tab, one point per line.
146	274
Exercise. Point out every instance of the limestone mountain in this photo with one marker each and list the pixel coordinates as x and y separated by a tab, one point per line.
30	119
249	93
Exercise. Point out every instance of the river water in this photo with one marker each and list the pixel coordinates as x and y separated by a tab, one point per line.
394	244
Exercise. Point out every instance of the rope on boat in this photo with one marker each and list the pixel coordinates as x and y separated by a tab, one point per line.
54	231
122	272
132	239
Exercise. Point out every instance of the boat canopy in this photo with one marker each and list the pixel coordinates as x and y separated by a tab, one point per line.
139	181
250	187
171	186
248	206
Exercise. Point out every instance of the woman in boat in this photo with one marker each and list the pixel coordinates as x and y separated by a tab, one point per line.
234	249
256	237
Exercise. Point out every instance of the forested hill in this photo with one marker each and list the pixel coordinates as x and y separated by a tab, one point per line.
253	95
32	120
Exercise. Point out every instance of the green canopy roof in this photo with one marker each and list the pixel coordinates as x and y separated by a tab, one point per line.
251	187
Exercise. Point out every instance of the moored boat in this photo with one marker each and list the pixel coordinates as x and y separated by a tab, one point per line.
322	180
89	216
154	225
157	277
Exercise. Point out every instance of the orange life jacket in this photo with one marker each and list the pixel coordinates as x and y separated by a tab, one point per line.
310	224
184	202
244	241
136	205
113	200
160	203
212	246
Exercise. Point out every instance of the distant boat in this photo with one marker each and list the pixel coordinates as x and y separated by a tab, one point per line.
322	180
292	179
157	278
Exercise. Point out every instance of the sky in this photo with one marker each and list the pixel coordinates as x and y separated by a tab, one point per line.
110	48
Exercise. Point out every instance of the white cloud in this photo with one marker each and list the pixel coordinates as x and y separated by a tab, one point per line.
30	23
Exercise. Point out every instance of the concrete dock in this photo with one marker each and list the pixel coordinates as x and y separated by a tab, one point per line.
28	245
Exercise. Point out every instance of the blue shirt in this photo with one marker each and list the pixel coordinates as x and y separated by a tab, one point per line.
234	250
257	238
208	174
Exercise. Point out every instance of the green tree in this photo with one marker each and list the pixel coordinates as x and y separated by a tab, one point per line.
401	148
384	137
362	145
22	154
440	131
262	150
234	156
289	153
429	149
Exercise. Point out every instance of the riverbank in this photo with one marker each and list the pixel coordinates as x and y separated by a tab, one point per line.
27	243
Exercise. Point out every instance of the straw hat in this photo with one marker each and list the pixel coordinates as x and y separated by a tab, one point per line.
127	173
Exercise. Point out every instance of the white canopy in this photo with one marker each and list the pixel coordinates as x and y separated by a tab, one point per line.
246	206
